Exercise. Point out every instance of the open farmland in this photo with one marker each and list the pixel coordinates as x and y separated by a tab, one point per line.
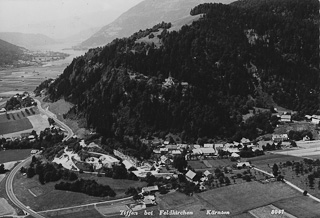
5	208
268	211
93	213
301	206
19	121
246	196
15	126
49	198
13	155
266	161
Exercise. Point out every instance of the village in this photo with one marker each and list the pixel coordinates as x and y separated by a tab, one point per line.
187	168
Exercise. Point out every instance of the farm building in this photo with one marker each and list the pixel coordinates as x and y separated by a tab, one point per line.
243	164
149	200
172	147
286	118
279	137
245	141
190	175
315	119
207	173
34	152
127	164
207	151
150	189
235	156
175	152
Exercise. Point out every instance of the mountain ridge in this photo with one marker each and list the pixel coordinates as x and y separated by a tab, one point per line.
146	14
27	40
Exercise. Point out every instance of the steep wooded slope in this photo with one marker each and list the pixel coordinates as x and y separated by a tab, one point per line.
228	57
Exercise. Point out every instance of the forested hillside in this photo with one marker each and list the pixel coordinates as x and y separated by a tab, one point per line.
9	53
230	58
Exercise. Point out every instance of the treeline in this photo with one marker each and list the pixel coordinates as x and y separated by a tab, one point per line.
226	74
46	138
48	172
89	187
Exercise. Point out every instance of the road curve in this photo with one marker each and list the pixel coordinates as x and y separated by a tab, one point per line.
9	181
10	193
70	132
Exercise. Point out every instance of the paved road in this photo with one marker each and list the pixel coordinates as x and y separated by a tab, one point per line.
49	114
9	182
10	193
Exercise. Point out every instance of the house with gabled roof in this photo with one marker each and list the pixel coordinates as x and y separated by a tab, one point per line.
190	175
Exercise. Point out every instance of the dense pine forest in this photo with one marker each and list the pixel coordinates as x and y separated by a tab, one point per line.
229	61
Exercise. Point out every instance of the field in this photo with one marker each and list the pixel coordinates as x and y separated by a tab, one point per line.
15	126
5	208
49	198
14	155
299	126
118	185
301	206
81	214
266	212
18	121
266	161
246	196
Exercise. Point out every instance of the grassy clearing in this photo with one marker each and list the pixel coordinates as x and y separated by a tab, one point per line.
246	196
81	214
177	199
263	161
5	208
118	185
14	155
49	198
266	162
301	206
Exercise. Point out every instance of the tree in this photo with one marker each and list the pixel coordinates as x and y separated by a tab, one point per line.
275	169
180	163
2	170
30	172
227	180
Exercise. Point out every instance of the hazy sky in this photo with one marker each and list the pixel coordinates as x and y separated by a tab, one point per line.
59	18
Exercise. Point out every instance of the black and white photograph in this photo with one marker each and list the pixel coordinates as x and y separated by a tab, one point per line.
159	108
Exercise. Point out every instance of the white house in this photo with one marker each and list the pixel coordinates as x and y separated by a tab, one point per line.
315	119
280	137
207	151
286	118
243	164
190	175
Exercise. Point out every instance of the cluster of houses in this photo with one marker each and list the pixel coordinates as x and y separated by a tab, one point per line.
208	150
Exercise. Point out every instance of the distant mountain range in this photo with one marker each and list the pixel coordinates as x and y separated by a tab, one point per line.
9	53
146	14
26	40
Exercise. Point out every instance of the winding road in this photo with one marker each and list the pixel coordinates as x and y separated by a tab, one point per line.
9	181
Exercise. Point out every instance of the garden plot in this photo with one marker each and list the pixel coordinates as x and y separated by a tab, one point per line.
6	208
